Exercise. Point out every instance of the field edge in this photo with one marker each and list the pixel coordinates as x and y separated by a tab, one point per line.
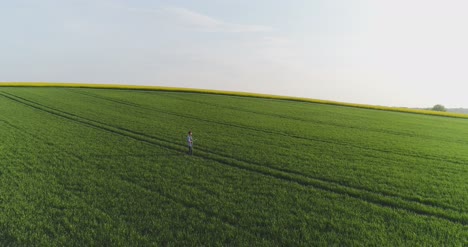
230	93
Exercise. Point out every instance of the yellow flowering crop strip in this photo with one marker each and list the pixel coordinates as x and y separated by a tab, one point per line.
232	93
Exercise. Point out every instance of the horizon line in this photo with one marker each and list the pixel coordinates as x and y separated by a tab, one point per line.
231	93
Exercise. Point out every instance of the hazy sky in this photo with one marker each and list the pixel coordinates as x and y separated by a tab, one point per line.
410	53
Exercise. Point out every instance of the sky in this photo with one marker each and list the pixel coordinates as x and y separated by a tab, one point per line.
406	53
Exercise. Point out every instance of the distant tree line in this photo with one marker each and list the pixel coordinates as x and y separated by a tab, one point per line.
442	108
439	107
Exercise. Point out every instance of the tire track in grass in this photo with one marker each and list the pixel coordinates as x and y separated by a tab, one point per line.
167	142
175	200
87	122
347	145
376	198
423	201
460	141
183	203
384	193
416	155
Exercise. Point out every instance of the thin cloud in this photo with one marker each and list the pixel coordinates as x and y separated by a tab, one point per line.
193	20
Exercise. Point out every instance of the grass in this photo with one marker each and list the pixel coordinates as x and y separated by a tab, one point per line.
232	93
83	166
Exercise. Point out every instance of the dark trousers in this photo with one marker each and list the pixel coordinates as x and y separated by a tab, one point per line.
190	151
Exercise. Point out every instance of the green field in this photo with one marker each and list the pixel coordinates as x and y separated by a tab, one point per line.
81	167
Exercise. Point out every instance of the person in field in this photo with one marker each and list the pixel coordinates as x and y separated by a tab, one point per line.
190	143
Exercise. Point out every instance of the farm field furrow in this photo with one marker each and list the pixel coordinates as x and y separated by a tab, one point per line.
102	166
282	170
348	159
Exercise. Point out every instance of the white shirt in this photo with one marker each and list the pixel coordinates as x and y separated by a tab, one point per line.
189	140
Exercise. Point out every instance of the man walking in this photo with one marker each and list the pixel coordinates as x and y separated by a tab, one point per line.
190	142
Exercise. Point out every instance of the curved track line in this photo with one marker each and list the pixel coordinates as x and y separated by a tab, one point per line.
368	196
348	145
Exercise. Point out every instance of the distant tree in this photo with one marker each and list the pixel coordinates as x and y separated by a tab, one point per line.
439	108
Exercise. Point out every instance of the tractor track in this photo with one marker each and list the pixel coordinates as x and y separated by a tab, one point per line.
376	198
307	139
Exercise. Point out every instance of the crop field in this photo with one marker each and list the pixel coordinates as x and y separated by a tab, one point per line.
94	167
